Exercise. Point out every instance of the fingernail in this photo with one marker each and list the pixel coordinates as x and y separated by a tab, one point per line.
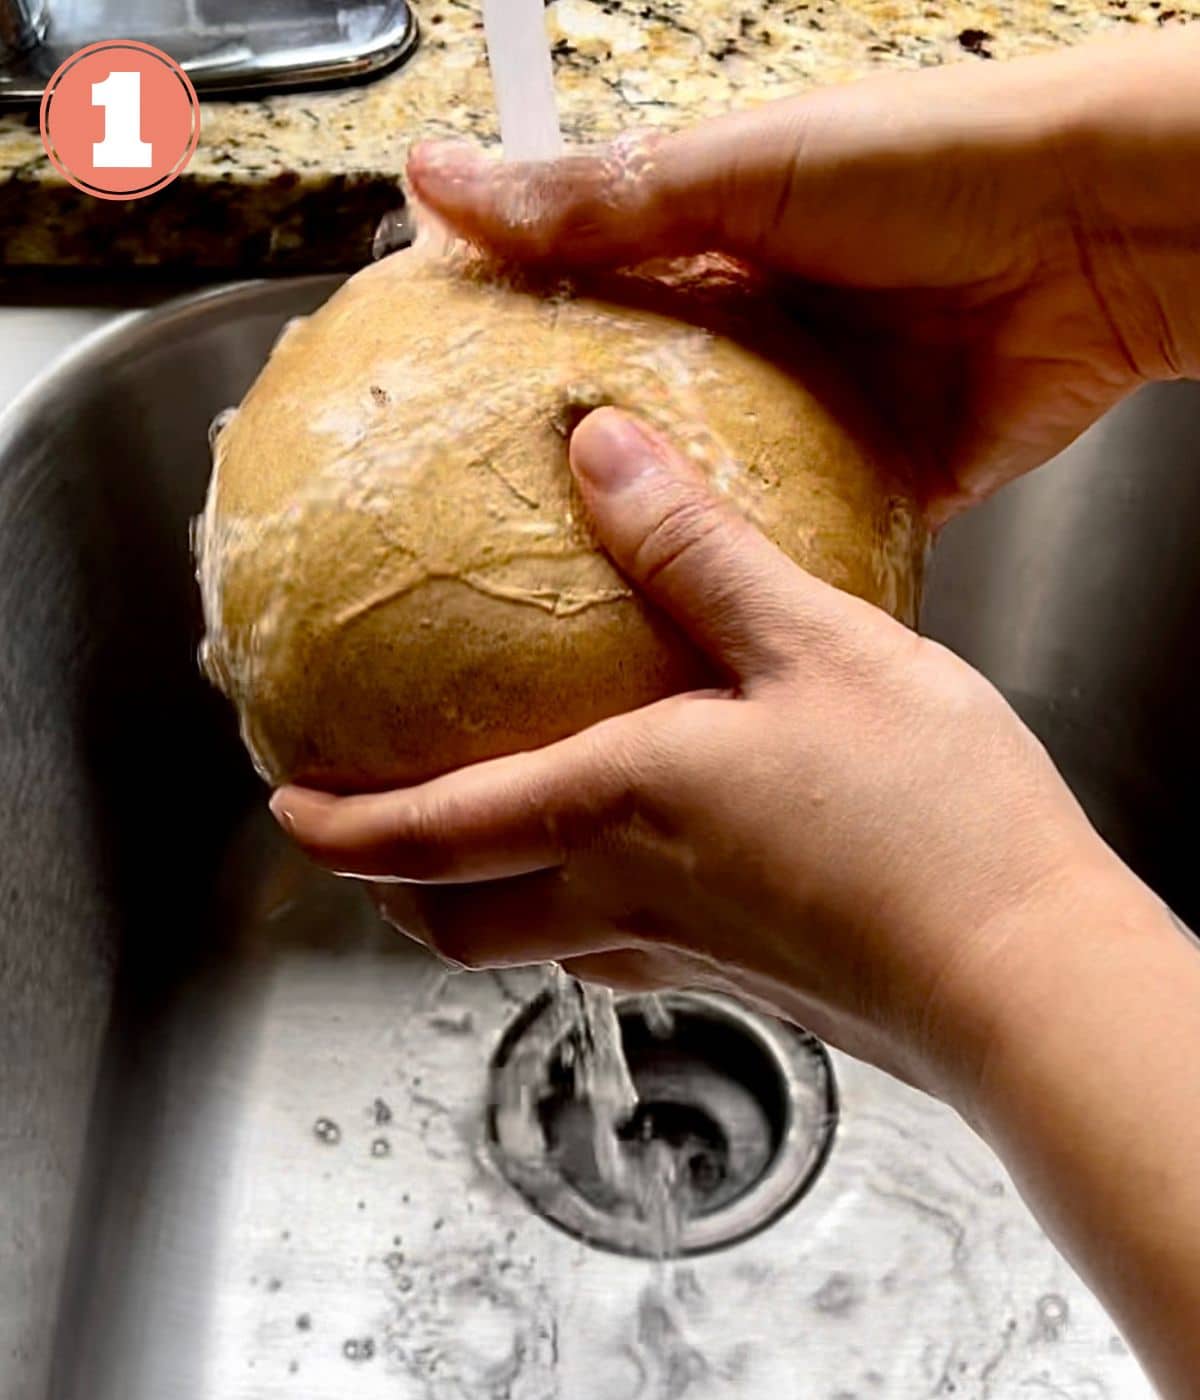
281	812
610	450
449	164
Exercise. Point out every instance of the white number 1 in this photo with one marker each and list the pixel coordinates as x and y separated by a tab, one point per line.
120	94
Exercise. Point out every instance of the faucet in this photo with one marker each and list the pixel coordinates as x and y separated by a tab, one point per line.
227	47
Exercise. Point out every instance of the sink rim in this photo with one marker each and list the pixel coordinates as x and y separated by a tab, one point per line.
129	331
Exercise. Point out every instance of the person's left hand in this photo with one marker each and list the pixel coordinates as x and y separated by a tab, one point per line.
850	833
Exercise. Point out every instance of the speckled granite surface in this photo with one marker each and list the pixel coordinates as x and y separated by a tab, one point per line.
299	182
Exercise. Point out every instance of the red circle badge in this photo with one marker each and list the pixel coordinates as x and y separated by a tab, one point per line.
120	119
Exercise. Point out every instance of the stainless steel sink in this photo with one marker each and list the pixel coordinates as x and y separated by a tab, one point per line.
242	1127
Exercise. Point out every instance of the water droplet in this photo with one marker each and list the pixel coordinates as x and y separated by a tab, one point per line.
838	1295
219	423
327	1131
660	1021
394	1261
394	232
286	329
453	1020
380	1147
1053	1313
358	1348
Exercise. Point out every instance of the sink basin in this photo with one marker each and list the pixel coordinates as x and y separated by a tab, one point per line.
243	1143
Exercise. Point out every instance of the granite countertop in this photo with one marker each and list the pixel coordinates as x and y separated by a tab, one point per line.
298	183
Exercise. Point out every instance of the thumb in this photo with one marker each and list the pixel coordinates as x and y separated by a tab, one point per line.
728	587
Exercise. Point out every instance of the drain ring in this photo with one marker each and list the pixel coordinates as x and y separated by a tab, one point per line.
750	1103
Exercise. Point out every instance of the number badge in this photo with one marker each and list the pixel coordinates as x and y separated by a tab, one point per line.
120	119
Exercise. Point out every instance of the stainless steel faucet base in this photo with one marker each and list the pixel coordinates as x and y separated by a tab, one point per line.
227	47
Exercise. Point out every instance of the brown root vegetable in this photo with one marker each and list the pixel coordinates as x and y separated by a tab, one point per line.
397	575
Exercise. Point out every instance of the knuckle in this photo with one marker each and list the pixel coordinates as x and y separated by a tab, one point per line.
586	196
522	202
417	845
548	208
685	523
629	763
609	769
650	767
683	729
325	833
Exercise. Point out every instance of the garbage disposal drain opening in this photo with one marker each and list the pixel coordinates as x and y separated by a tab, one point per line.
741	1107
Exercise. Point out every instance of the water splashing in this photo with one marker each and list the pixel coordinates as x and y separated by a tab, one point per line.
657	1015
603	1140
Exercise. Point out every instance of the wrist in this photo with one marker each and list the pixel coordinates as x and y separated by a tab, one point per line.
1052	964
1088	1094
1091	956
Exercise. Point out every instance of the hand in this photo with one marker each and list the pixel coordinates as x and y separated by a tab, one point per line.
998	253
847	834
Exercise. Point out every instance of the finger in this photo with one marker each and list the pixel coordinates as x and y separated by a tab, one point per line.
489	821
646	194
782	180
494	820
785	181
502	923
802	183
733	591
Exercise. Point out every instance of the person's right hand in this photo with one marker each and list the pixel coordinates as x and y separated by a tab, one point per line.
998	252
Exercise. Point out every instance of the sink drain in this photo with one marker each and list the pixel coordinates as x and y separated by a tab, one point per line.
744	1108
